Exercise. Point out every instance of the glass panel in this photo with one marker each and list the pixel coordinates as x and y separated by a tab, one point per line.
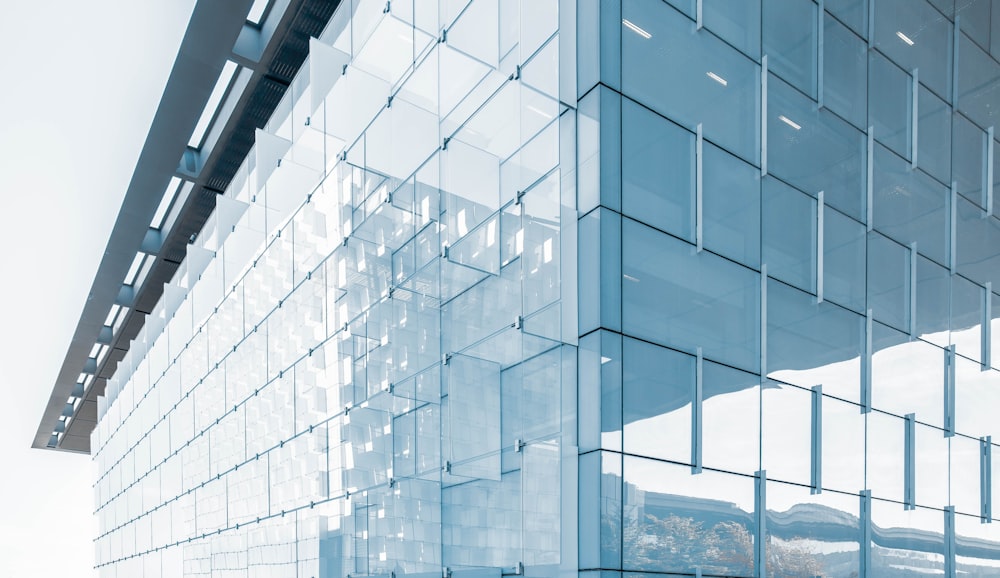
674	520
978	74
854	13
844	257
790	42
913	34
600	393
815	150
931	468
786	414
885	455
906	542
721	85
969	157
738	23
967	314
965	474
843	446
976	399
658	385
888	280
810	344
730	419
933	302
890	104
811	535
731	206
934	135
977	551
845	69
907	375
675	296
789	235
657	171
910	207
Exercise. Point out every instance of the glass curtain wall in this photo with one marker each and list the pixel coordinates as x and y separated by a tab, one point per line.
789	248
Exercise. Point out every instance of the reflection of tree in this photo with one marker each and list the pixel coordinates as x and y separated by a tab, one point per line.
681	543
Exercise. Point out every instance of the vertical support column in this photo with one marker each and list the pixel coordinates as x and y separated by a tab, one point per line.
870	180
987	332
914	116
696	415
699	21
698	188
913	290
819	53
865	555
989	171
949	391
820	208
956	35
953	228
866	366
763	116
949	542
910	463
763	323
986	479
816	473
760	515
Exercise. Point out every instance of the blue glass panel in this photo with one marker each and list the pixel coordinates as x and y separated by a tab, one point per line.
684	299
854	13
731	206
789	234
790	42
786	421
738	23
721	86
968	160
657	171
910	206
978	237
658	386
888	281
978	74
885	454
810	343
815	150
934	136
811	535
845	73
967	314
907	375
890	104
914	35
974	20
844	246
933	301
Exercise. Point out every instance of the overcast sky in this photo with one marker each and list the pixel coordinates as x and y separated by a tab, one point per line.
79	83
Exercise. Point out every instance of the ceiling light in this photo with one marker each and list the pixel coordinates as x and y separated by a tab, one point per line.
717	78
789	122
905	38
631	26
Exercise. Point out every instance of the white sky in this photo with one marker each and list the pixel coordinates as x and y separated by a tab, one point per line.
79	83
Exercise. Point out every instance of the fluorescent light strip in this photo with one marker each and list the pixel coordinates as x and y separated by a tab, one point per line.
717	78
221	86
631	26
165	202
905	38
257	11
789	122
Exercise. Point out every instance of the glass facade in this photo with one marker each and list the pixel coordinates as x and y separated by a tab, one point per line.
616	288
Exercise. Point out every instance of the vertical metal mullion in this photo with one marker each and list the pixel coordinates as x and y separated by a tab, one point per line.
866	366
986	479
760	511
955	38
699	19
817	440
820	209
914	117
819	53
866	534
949	391
913	289
763	116
952	226
987	332
909	463
989	170
949	542
698	189
870	180
696	415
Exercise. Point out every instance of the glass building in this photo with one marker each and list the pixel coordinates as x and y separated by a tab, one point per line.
606	289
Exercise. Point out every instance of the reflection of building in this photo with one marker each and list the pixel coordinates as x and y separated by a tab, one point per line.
482	288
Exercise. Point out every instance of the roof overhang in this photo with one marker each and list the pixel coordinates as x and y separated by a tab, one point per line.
269	54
